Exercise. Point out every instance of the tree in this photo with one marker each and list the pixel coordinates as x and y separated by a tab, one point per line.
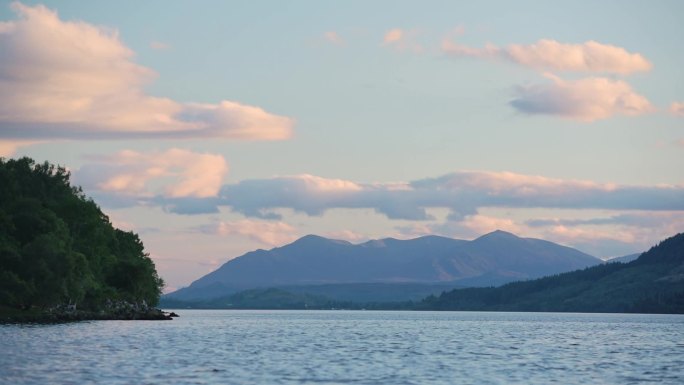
58	248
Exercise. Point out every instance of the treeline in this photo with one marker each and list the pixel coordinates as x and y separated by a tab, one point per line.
58	249
280	299
654	283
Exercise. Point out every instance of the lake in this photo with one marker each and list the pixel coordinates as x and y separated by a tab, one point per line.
349	347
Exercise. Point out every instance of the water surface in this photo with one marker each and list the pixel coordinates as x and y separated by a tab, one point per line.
349	347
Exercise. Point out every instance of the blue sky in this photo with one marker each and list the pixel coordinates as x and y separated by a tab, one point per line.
216	128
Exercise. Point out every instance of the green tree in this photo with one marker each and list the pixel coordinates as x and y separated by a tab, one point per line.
58	248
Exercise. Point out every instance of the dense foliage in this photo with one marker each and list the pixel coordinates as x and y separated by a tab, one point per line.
654	283
58	249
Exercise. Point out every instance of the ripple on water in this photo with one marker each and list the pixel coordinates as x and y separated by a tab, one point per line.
333	347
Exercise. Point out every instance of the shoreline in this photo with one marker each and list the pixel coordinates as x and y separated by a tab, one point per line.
14	316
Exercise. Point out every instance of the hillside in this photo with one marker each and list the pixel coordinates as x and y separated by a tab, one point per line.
492	259
653	283
59	251
624	259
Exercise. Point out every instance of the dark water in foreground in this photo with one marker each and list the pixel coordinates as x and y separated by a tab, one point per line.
349	347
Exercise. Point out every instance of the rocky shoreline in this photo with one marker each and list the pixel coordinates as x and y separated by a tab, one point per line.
61	315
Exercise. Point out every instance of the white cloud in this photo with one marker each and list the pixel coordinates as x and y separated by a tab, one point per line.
584	99
549	54
175	173
73	80
677	108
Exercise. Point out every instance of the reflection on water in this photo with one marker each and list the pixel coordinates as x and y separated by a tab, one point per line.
361	347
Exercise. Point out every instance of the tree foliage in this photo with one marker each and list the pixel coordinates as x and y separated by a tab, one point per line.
58	248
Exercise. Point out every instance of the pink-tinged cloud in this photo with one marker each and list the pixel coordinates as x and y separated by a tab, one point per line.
467	227
403	40
482	224
8	148
677	108
333	38
346	235
265	232
585	100
393	36
549	54
462	192
74	80
175	173
625	232
159	46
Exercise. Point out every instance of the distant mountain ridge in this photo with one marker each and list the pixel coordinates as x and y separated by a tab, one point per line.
652	283
491	259
624	259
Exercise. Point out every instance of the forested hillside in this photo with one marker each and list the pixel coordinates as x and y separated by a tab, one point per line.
59	250
653	283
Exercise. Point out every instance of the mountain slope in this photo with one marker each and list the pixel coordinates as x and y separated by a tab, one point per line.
652	283
495	258
624	259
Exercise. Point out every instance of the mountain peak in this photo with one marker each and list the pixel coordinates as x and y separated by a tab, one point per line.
498	234
312	239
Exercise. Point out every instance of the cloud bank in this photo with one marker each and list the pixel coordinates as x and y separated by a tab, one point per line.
471	201
73	80
586	99
463	193
549	54
191	183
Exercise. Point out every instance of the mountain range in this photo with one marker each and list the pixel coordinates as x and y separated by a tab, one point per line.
387	269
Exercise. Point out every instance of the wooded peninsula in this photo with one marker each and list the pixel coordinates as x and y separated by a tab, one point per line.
60	256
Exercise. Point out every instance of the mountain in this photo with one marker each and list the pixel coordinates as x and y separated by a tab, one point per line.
624	258
653	283
492	259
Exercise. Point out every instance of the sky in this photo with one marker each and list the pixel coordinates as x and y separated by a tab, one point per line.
215	128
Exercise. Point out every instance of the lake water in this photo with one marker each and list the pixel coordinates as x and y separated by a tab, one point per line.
349	347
